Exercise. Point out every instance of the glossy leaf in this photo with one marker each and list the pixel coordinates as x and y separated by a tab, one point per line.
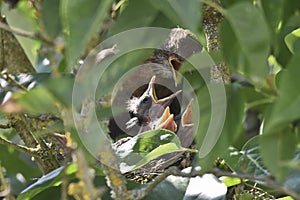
51	179
246	48
144	147
292	41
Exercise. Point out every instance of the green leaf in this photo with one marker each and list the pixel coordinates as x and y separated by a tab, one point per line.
231	181
137	13
81	20
292	41
277	149
61	88
160	151
12	159
286	198
286	107
152	139
183	13
37	101
144	147
50	17
244	49
23	17
274	14
51	179
232	127
248	160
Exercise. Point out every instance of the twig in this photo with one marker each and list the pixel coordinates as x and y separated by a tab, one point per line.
31	151
5	126
140	194
9	77
34	36
264	181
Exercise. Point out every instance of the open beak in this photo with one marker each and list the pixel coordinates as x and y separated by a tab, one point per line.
187	116
167	121
186	130
175	65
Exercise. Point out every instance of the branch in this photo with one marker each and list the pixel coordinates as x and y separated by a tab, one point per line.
31	151
264	181
141	193
5	126
10	78
34	36
215	6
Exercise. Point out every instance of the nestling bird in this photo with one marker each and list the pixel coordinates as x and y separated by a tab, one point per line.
147	109
163	64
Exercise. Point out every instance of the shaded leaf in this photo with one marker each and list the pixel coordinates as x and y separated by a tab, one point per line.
37	101
81	20
12	159
245	50
137	13
276	149
231	129
50	17
248	160
287	104
61	88
183	13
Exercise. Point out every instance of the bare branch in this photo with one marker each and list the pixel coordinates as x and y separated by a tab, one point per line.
264	181
31	151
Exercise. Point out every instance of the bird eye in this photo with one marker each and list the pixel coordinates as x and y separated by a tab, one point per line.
146	99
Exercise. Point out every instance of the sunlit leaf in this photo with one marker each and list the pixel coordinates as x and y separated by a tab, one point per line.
292	41
51	179
141	149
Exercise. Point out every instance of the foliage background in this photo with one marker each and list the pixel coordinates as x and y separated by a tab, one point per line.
260	43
